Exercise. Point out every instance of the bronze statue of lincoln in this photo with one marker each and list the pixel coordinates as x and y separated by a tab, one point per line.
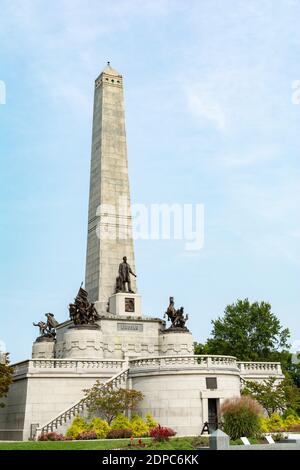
124	276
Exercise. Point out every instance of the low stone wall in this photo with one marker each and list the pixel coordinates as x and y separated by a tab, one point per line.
175	388
260	371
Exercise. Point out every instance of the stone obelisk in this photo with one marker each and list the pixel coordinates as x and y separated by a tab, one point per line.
109	219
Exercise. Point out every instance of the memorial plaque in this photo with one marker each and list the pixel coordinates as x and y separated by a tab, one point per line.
129	304
129	327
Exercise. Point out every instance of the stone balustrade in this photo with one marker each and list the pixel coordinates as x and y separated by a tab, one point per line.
260	368
184	361
67	365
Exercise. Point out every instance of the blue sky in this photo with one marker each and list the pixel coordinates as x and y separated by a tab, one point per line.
210	119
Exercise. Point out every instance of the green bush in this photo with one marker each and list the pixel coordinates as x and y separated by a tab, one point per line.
275	423
290	421
78	426
120	422
139	427
241	417
291	412
264	425
100	427
150	421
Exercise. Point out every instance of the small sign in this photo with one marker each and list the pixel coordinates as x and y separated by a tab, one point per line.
245	441
129	327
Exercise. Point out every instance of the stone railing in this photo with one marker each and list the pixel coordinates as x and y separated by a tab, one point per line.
68	365
260	368
183	361
116	381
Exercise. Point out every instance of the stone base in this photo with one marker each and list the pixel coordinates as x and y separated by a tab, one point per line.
43	348
125	304
176	342
82	342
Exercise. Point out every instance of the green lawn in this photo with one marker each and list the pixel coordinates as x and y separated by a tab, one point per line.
176	443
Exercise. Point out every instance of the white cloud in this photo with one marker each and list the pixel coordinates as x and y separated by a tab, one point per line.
205	106
245	158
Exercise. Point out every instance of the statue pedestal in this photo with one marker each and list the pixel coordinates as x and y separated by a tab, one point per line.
43	348
176	341
83	342
124	303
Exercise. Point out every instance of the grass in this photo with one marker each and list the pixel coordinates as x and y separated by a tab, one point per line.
179	443
176	443
252	440
65	445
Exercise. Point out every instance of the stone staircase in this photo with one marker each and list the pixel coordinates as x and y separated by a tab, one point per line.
62	421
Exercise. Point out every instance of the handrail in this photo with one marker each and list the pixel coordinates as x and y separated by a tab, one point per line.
67	365
185	360
115	381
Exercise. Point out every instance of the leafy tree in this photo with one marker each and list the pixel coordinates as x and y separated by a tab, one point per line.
290	368
274	397
248	331
6	377
251	332
200	348
110	402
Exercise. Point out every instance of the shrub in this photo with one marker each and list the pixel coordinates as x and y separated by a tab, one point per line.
160	433
78	426
119	433
290	421
290	412
87	435
150	421
275	423
53	436
120	422
139	427
100	427
241	417
264	425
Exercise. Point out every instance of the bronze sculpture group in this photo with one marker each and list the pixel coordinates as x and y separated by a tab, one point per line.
176	317
48	328
82	312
